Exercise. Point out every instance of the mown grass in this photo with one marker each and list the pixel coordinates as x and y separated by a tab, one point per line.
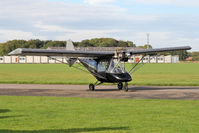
58	114
151	74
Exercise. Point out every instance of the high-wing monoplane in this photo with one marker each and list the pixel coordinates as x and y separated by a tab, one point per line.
104	66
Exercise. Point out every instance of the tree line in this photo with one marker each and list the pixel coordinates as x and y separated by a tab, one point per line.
8	46
195	56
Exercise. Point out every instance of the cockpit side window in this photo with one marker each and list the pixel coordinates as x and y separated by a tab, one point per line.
91	63
102	66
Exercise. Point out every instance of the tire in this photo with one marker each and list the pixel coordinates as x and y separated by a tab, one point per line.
125	87
91	87
120	85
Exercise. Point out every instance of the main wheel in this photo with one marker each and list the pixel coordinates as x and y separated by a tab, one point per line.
91	87
125	86
120	85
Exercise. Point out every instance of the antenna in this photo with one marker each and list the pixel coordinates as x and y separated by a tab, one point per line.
147	40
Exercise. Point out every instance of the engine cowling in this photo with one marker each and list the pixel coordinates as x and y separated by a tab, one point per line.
123	56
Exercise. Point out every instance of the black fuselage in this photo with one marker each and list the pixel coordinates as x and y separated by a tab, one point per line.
105	75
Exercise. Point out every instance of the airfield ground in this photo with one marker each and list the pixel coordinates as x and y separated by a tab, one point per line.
104	91
44	108
41	114
183	74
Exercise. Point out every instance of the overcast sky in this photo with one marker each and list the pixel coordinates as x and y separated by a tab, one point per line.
169	22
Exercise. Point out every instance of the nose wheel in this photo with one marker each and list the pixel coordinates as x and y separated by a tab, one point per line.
120	86
125	88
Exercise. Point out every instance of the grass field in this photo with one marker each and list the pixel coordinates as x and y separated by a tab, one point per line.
58	114
151	74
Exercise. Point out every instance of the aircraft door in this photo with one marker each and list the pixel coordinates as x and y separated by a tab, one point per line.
102	67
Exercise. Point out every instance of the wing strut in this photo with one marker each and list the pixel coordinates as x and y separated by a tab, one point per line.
134	69
69	64
73	66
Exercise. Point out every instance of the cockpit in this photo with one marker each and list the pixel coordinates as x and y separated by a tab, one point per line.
116	67
109	66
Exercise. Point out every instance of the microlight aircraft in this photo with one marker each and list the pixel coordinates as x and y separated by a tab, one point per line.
106	67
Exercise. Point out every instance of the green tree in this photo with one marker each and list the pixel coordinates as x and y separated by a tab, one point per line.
50	43
146	46
195	55
131	44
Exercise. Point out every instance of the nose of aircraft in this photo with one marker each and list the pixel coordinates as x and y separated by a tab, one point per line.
122	77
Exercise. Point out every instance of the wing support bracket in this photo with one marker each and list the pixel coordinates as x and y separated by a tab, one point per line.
71	61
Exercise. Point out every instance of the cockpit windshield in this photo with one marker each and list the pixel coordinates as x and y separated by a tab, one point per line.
116	67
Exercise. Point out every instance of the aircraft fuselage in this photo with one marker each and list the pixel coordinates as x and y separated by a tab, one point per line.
106	70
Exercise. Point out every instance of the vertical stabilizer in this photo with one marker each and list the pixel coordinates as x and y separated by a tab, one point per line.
69	45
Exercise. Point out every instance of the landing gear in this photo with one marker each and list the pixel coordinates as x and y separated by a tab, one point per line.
125	88
120	85
92	86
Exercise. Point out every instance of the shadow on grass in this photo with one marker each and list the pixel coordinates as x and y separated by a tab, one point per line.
5	117
4	110
71	130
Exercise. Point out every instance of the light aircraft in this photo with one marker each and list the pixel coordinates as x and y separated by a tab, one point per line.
104	66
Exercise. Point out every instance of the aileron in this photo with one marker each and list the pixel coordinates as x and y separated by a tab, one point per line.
158	50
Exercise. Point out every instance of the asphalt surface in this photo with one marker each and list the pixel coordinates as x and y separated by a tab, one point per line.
102	91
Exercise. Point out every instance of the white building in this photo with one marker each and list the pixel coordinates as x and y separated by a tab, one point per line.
154	59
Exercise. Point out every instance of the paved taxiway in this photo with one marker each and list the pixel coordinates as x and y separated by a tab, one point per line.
103	91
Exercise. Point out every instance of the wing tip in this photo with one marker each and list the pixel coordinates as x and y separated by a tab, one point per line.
189	47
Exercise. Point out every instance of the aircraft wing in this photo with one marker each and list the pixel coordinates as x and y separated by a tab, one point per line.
75	53
68	53
158	50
